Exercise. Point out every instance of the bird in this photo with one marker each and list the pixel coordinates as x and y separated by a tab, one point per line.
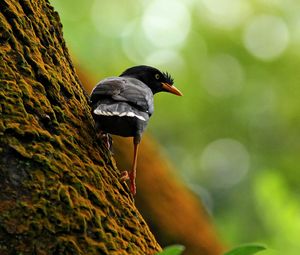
122	105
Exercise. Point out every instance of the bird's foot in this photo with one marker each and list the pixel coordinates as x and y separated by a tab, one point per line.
106	138
124	176
129	176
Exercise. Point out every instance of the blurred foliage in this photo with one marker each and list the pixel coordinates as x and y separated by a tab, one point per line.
248	249
234	136
175	249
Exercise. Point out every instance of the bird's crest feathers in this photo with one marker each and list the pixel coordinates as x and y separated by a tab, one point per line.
168	78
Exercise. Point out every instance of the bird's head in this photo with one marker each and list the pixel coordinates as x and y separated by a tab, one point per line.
156	80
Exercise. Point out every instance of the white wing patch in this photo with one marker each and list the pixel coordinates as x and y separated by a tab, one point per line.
120	114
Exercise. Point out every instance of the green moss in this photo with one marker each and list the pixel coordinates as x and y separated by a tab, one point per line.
60	115
64	197
69	196
80	189
67	245
15	144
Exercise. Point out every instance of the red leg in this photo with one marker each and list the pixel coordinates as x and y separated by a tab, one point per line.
132	174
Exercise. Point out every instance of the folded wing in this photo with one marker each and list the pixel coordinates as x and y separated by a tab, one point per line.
121	89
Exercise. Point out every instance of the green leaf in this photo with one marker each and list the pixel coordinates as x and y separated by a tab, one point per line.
175	249
247	249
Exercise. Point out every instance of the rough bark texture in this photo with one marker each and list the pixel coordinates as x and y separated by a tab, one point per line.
60	192
172	212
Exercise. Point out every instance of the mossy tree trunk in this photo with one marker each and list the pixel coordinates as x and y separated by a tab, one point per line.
173	213
60	192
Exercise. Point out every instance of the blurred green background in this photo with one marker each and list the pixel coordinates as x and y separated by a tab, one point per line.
234	136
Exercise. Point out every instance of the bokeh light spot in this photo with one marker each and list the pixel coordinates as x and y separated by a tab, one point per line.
166	23
266	37
134	42
224	76
224	162
226	13
111	17
165	58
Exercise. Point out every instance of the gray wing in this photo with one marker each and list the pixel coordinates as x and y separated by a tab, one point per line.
122	89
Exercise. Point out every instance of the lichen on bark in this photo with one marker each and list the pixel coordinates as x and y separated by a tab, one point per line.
60	192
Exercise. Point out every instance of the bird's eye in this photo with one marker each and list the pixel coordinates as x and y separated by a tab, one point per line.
157	76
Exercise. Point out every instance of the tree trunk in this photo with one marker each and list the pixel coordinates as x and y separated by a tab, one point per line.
60	192
172	212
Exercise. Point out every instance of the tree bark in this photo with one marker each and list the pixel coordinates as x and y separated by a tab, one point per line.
173	213
60	192
171	210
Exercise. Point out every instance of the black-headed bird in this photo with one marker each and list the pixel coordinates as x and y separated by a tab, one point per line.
123	105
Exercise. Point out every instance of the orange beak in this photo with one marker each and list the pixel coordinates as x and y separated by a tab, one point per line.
171	89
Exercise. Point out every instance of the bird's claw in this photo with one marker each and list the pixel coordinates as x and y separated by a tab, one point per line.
129	176
124	176
106	139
